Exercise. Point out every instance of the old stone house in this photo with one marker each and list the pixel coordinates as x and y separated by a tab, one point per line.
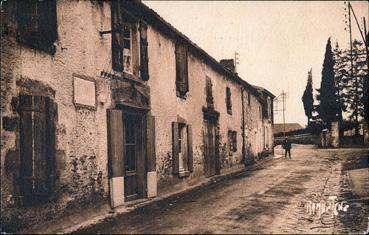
105	102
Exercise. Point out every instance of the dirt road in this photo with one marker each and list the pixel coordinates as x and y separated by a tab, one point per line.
272	199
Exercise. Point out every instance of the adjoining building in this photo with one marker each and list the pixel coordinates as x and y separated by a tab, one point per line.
105	102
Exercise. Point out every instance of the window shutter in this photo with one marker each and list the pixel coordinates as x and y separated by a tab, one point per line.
117	50
175	148
230	140
27	22
26	143
117	36
47	22
151	155
228	100
144	52
135	49
40	147
181	69
115	143
190	150
51	137
234	141
36	24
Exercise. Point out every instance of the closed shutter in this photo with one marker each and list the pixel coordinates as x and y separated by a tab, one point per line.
217	144
190	150
51	137
135	49
144	52
228	100
151	155
175	148
37	146
234	141
27	21
181	69
36	24
205	136
26	143
117	36
115	143
230	140
47	21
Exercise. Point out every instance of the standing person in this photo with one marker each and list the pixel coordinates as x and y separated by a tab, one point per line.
287	147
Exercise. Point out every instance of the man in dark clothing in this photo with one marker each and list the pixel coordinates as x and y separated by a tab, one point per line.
287	147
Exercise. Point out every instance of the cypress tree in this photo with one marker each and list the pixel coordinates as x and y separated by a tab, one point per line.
328	106
307	97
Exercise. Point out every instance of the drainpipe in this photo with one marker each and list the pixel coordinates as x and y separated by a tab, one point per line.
243	128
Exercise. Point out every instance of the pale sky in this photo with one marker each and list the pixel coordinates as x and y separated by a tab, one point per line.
278	42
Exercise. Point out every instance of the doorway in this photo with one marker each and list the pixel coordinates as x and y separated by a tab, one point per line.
134	160
212	166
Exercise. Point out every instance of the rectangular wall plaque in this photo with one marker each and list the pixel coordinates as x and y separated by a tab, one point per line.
84	92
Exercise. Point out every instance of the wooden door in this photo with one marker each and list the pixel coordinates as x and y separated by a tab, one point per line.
134	161
210	152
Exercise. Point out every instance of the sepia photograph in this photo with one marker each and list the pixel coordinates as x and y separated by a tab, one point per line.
184	117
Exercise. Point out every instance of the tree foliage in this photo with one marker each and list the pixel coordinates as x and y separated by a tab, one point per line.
307	97
350	79
328	106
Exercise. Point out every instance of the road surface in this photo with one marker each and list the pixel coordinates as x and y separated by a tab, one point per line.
272	199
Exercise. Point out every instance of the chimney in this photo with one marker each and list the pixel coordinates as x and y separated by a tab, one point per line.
228	64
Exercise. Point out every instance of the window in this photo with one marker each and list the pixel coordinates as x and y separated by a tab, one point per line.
181	69
129	42
260	112
124	50
127	48
36	22
228	100
248	99
37	147
232	140
182	149
209	94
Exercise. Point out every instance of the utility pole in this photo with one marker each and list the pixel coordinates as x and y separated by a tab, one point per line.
366	104
277	99
365	41
283	109
236	60
351	54
352	68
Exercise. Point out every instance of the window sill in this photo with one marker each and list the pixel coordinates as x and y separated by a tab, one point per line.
183	174
122	76
46	47
184	97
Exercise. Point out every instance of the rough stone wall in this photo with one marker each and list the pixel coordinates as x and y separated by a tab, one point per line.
253	126
166	106
81	148
81	138
268	131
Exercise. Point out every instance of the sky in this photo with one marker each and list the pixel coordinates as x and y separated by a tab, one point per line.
277	41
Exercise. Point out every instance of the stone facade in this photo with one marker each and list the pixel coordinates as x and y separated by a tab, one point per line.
76	75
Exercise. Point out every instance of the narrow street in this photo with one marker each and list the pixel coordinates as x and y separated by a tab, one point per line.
272	198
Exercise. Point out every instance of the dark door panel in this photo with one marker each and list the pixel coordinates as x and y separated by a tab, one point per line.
134	164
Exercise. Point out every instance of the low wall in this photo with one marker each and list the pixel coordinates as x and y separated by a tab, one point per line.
347	141
299	139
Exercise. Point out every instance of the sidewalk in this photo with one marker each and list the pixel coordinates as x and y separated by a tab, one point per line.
103	212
